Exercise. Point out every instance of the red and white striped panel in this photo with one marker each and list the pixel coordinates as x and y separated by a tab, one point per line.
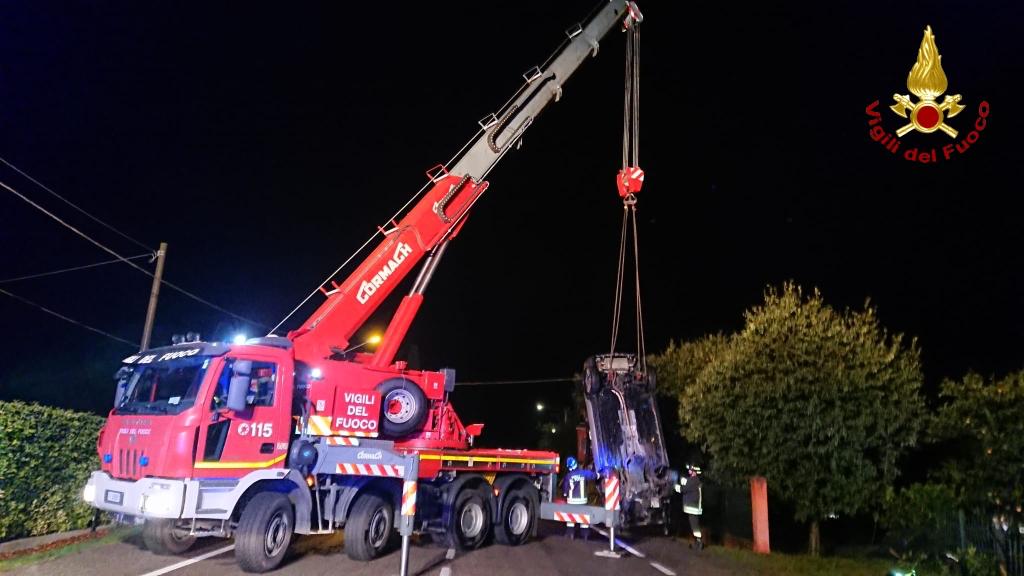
577	518
612	497
316	426
388	470
342	441
321	426
409	498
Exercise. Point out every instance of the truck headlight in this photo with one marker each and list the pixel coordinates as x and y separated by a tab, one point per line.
161	502
89	494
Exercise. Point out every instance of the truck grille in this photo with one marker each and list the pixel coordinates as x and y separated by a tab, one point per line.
127	463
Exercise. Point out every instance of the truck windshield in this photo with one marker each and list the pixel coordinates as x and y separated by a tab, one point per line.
163	387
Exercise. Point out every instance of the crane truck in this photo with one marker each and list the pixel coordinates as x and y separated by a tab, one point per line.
308	434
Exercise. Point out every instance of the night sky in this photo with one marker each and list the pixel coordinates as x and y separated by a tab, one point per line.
265	143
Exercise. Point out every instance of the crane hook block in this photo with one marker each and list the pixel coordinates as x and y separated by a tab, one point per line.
633	16
630	180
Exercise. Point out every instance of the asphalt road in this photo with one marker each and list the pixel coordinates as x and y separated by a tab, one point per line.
549	554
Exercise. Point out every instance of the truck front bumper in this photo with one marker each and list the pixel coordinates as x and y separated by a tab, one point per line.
146	497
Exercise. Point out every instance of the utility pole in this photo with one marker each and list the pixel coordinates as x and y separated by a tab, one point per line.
153	294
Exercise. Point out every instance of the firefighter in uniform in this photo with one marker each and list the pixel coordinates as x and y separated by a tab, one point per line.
693	497
574	488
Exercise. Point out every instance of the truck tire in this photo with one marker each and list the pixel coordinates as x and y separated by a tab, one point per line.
163	538
370	527
403	407
469	521
591	378
264	532
518	516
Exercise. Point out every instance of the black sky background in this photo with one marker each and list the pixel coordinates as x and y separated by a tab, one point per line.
265	143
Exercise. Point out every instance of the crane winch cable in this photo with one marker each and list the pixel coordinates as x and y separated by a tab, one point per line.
629	182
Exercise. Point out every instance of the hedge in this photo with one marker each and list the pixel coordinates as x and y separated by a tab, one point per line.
46	455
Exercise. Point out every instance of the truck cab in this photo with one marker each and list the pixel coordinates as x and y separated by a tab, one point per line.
193	426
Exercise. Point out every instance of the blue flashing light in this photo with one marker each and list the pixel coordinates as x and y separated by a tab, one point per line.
144	461
108	458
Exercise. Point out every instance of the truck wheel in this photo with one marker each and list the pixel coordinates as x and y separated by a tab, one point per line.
518	517
264	532
403	407
469	522
162	537
370	527
591	378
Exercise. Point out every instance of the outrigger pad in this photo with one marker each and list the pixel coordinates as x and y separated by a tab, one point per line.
625	434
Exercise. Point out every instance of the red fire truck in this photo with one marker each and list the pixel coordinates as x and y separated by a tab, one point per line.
306	434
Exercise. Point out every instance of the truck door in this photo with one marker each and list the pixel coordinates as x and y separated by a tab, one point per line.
253	438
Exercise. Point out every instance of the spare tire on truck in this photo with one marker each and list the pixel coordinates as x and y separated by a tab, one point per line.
403	407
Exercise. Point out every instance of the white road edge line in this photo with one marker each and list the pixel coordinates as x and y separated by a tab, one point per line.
628	548
446	571
184	563
662	569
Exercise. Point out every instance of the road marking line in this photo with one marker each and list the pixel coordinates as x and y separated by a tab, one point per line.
446	571
450	554
184	563
662	569
628	548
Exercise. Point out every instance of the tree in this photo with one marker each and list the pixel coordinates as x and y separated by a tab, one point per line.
986	421
821	403
983	423
680	364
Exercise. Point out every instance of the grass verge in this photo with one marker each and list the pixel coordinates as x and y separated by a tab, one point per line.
747	562
64	547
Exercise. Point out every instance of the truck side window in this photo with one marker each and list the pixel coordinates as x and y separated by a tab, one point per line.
262	384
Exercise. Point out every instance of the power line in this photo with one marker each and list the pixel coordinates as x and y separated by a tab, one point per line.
63	270
125	260
73	205
504	382
207	302
71	320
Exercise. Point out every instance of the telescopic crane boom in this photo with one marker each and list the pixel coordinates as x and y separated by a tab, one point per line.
426	228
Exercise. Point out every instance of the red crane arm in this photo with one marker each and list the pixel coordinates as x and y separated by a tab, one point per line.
430	222
439	214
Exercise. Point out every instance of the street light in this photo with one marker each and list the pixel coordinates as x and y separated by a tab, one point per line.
540	407
553	430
